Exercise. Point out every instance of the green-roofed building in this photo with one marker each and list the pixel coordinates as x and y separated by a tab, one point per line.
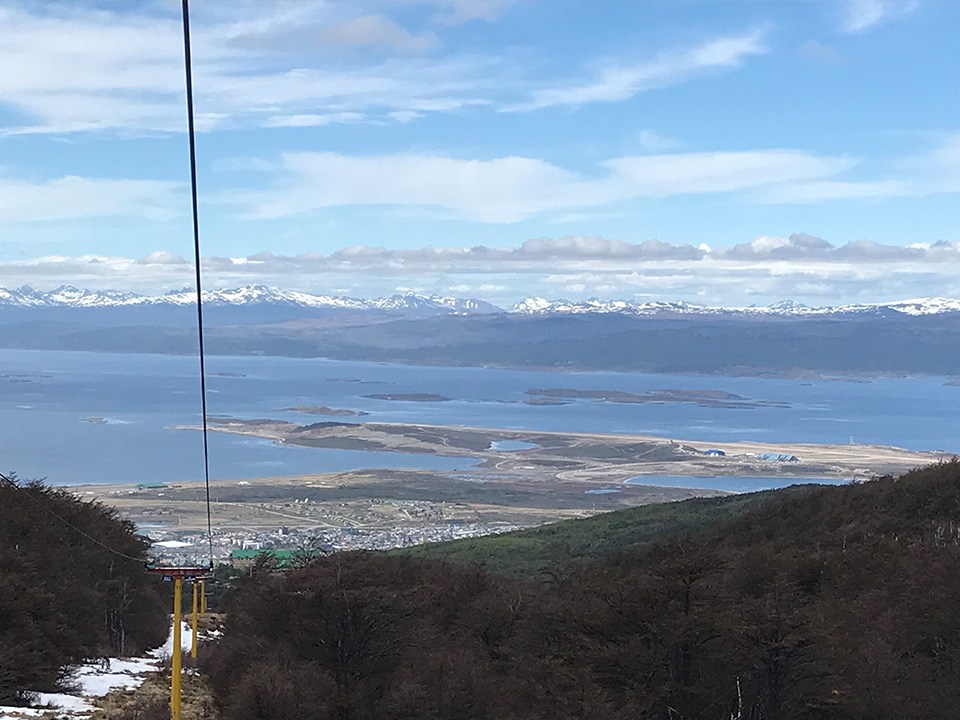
282	559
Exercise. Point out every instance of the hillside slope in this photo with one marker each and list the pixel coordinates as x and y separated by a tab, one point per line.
541	551
63	597
823	602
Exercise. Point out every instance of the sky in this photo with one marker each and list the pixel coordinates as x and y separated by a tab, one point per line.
724	153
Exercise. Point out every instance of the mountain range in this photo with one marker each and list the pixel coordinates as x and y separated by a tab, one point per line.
260	295
68	296
908	337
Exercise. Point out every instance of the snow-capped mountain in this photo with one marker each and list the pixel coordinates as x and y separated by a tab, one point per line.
67	297
541	306
265	297
920	306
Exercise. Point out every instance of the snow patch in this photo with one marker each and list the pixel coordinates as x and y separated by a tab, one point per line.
166	650
96	679
64	702
16	713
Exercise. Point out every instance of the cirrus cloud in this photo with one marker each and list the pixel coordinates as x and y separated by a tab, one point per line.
77	198
69	68
863	15
510	189
617	81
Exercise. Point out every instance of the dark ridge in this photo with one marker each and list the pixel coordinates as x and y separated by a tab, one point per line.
63	598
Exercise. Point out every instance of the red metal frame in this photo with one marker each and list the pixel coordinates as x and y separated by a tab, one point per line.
184	573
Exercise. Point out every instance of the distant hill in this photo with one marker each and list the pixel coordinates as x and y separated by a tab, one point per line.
910	337
564	547
920	503
815	602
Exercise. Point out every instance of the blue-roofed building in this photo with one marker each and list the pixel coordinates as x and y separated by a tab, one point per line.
714	452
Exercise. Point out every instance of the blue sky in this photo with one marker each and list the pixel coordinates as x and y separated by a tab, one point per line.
716	152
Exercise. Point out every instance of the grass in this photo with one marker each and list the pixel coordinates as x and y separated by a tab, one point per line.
151	700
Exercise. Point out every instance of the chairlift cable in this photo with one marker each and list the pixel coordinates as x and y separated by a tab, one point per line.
203	383
188	68
203	389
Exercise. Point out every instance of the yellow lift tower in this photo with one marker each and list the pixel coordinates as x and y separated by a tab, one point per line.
196	576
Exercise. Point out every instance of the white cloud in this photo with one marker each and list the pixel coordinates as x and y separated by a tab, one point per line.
158	269
309	27
653	142
801	246
312	120
378	31
453	12
510	189
67	68
682	173
768	268
599	248
162	257
934	171
500	190
78	198
618	81
937	170
817	191
861	15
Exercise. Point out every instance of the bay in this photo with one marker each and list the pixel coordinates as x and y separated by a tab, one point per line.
77	417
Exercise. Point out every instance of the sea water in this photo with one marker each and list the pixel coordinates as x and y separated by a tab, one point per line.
78	417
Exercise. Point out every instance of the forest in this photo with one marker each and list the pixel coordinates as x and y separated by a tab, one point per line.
64	596
820	602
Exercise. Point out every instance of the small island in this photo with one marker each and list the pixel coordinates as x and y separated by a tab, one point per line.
324	410
703	398
409	397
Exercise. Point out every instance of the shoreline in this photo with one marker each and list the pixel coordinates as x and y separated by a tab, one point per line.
559	476
567	455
